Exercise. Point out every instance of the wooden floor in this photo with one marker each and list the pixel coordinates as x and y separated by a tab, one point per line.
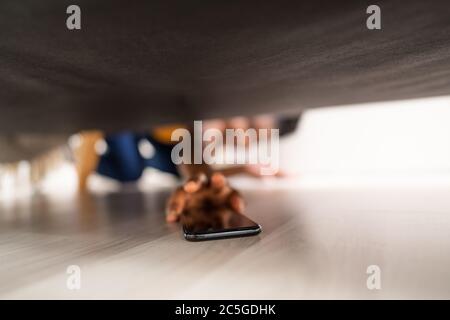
316	243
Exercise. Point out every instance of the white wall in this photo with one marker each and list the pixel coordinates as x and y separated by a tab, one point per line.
399	139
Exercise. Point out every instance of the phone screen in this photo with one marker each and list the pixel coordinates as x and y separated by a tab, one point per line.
217	223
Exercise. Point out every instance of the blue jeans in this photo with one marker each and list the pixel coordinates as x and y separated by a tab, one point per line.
123	162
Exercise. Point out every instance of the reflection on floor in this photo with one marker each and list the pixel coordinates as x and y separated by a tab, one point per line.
316	243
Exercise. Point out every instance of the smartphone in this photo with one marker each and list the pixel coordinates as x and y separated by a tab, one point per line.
213	224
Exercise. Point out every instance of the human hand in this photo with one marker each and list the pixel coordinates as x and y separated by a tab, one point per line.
203	193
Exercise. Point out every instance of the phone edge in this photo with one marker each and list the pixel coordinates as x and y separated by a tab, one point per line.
222	235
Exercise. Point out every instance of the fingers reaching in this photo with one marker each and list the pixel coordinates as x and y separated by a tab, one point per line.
218	181
200	193
195	184
175	205
236	202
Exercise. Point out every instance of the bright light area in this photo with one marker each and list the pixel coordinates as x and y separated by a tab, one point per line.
405	140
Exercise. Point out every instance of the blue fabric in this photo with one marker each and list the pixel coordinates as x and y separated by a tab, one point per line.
123	161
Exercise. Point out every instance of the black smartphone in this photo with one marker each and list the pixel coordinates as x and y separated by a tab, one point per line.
212	224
